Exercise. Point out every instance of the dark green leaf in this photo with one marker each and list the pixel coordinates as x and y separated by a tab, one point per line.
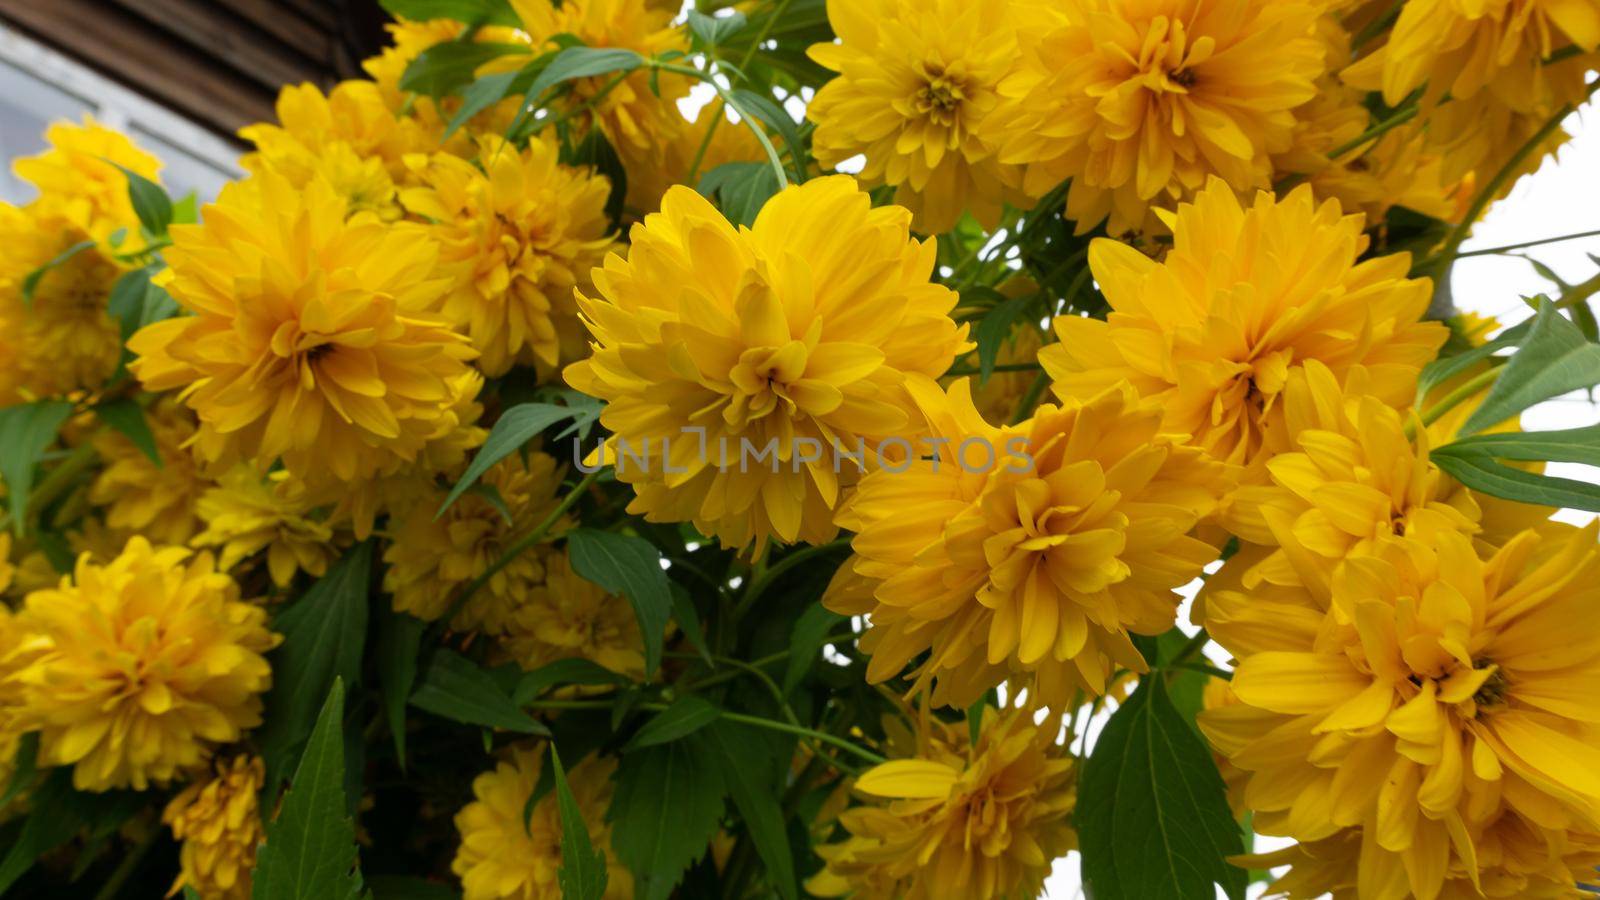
445	68
713	30
472	12
310	850
1445	368
583	62
765	110
150	202
630	566
399	644
127	301
583	868
25	432
741	188
30	282
975	719
405	887
1153	818
323	634
1481	472
455	687
993	330
563	671
58	814
24	768
684	717
810	632
667	805
491	89
755	793
127	417
516	426
1574	445
689	621
1553	359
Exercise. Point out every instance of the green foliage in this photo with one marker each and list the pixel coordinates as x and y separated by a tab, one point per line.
456	688
754	781
741	189
630	566
398	645
515	427
810	633
127	417
1153	819
30	282
150	203
1553	359
713	30
471	12
666	807
443	69
310	850
684	717
25	432
583	868
562	672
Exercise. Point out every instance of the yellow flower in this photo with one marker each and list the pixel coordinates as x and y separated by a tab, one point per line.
62	341
1430	690
145	665
348	139
16	652
1140	101
638	115
960	821
79	181
246	513
1245	296
516	237
141	497
568	616
916	83
801	329
218	821
431	556
1032	549
511	853
308	340
650	178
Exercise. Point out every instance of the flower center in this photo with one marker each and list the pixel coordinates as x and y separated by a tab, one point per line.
940	97
1493	691
1183	78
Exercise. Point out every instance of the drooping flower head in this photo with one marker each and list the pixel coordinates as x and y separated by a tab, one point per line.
509	852
1246	295
218	822
1428	692
959	820
144	665
516	236
431	555
567	616
1030	550
915	84
1140	101
309	341
800	329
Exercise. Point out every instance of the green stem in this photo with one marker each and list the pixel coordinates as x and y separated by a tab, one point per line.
763	581
1000	367
1224	674
1458	396
755	126
1193	647
1030	400
63	476
705	143
1376	26
1491	251
1401	116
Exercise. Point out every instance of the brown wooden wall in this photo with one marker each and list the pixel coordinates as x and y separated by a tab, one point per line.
220	62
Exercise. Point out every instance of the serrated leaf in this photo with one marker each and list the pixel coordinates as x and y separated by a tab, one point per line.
456	688
25	432
755	794
684	717
810	632
515	427
127	417
1554	358
575	670
150	202
398	646
30	282
323	636
741	188
583	873
1482	472
713	30
629	566
471	12
310	849
1152	817
666	806
445	68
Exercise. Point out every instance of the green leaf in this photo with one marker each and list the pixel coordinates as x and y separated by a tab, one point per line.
24	767
583	62
684	717
993	330
150	202
755	793
127	301
323	634
58	814
1574	445
583	868
689	621
491	89
444	68
1553	359
1152	817
741	188
187	210
127	417
666	807
472	12
630	566
1445	368
1481	472
975	719
810	632
456	688
398	646
30	282
515	427
25	432
713	30
575	670
310	849
405	887
765	110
